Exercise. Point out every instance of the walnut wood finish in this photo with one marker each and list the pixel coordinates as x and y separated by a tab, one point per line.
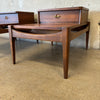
57	32
3	31
63	34
77	15
18	17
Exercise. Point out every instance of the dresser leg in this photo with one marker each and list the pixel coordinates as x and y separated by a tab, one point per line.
65	44
52	43
37	41
12	44
87	39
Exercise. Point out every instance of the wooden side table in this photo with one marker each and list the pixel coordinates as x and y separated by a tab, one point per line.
59	25
18	17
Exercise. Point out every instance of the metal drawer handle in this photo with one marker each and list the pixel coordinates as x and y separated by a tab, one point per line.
57	16
6	17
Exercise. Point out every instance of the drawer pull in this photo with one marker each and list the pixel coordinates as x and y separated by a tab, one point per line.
6	17
57	16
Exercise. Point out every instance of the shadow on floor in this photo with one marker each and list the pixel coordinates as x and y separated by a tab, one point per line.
44	53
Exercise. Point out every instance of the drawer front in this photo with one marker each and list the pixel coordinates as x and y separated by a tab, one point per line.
59	16
8	18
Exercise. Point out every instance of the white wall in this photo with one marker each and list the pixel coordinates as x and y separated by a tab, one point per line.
34	5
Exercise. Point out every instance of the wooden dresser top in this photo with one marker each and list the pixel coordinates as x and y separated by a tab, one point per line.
68	8
14	12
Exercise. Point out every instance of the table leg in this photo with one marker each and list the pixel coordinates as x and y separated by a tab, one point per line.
37	41
12	44
52	43
65	44
87	39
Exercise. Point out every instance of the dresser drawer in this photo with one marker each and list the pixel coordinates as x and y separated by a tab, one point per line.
59	17
76	15
8	18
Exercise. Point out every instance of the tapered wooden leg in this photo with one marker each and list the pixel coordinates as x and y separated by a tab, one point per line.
65	44
87	36
52	43
12	44
87	39
37	41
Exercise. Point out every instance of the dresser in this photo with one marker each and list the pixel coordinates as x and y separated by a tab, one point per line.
18	17
55	25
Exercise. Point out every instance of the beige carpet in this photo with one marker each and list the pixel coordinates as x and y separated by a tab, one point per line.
38	74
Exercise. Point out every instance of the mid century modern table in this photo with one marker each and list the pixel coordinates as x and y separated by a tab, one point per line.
59	25
18	17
